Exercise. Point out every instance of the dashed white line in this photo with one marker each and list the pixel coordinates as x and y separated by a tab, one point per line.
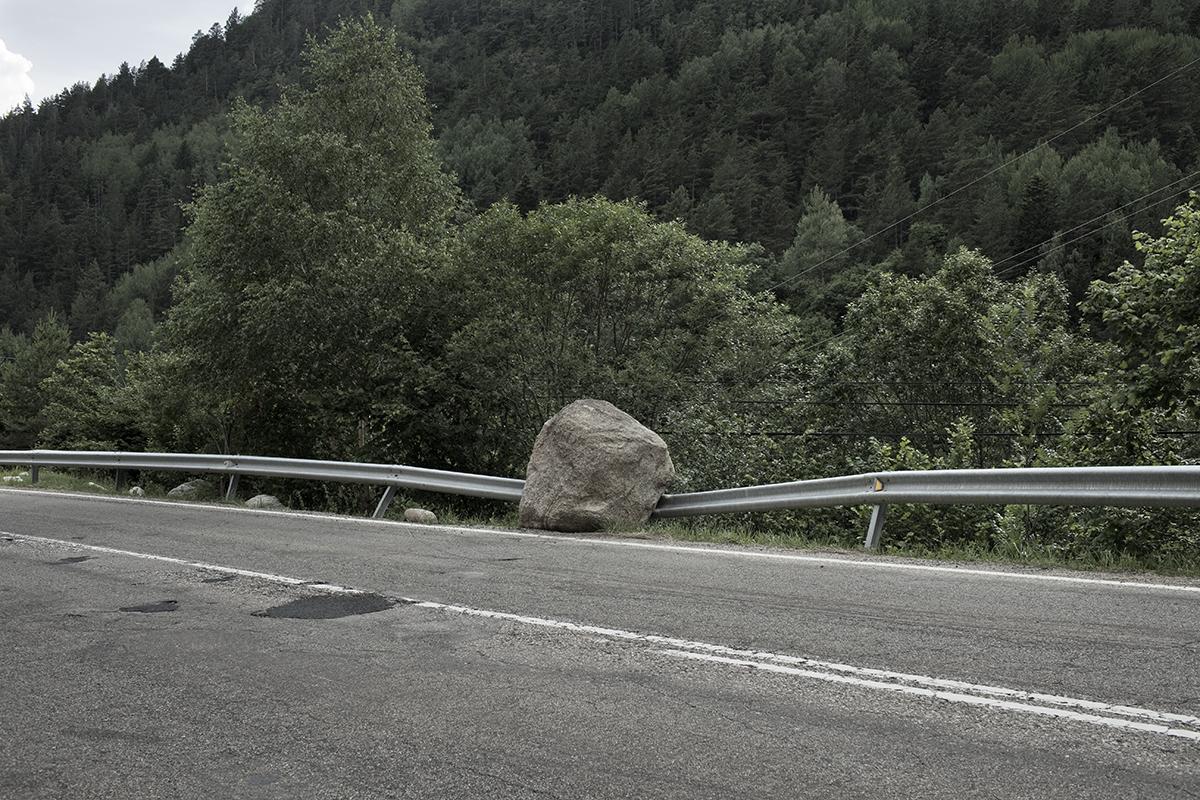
996	697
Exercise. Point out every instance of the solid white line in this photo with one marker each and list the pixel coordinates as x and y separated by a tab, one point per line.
880	563
705	651
247	573
952	697
828	666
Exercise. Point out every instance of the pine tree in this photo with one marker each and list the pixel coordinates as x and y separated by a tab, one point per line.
823	237
22	397
888	203
87	307
1037	214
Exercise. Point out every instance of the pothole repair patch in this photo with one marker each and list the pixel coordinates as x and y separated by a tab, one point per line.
74	560
162	606
330	606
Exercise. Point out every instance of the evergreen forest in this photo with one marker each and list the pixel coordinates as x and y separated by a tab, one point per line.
797	238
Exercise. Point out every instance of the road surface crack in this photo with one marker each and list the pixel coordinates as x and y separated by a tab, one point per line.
513	784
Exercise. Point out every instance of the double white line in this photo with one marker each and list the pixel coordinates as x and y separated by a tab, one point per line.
1184	726
1133	718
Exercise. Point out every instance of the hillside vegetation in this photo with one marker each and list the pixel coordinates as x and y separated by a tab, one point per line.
460	216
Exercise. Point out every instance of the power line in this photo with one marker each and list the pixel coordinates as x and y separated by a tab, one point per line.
1097	218
1043	253
913	435
838	336
789	402
884	382
986	175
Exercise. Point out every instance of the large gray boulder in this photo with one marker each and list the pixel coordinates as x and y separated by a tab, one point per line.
594	467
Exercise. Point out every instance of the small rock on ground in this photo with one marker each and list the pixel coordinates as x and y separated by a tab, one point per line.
137	491
420	516
197	487
264	501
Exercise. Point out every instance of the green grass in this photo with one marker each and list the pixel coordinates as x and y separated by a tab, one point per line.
1026	556
721	533
59	481
85	482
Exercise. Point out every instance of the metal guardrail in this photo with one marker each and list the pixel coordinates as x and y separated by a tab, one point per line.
391	476
1066	486
1060	486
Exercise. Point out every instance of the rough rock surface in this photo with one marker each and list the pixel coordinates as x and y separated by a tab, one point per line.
137	491
594	467
420	516
190	490
264	501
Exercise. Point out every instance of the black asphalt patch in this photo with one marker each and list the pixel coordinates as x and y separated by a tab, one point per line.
162	606
329	606
74	560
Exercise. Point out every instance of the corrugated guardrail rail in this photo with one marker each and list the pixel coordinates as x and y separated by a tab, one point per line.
1059	486
389	475
1067	486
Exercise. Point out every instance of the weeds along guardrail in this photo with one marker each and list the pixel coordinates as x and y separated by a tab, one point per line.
1177	486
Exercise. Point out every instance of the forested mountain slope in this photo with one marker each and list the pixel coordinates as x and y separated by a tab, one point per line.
336	295
733	116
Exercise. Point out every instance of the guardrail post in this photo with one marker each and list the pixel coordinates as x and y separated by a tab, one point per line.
119	483
231	489
875	530
33	473
385	502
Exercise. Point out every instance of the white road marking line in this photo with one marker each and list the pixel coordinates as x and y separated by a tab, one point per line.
895	678
952	697
973	694
180	562
879	563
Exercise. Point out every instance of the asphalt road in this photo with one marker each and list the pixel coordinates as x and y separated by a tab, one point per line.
156	650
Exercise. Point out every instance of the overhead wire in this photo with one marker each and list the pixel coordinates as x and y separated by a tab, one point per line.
988	174
1043	253
1037	247
1040	254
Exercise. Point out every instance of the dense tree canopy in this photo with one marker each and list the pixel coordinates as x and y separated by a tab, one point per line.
1153	313
298	311
592	298
726	115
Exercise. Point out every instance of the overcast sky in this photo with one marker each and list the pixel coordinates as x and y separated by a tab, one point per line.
48	45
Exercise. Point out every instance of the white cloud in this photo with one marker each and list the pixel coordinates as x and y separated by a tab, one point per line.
15	81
